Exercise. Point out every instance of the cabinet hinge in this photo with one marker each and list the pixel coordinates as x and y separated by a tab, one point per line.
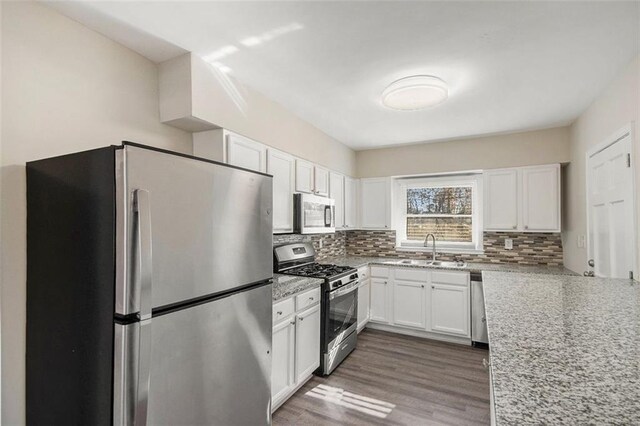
628	159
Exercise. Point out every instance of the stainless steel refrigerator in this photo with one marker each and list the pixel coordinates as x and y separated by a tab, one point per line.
148	290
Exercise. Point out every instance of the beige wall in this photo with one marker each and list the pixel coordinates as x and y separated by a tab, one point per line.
616	107
66	88
490	152
193	92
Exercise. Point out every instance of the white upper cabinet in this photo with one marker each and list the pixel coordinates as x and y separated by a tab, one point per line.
321	181
304	176
350	202
375	203
282	167
246	153
501	199
311	179
524	199
336	191
541	198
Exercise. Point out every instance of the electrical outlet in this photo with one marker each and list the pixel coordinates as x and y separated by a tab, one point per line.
320	243
582	241
508	244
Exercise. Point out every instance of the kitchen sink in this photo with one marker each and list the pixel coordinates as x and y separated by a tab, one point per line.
447	264
437	263
406	262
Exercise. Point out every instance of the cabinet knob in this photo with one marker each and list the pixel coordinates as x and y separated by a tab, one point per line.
385	282
422	286
301	318
311	298
433	286
484	319
292	323
279	312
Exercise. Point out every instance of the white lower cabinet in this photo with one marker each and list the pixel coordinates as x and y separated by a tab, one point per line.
434	302
282	361
379	311
364	299
307	342
409	304
450	309
295	352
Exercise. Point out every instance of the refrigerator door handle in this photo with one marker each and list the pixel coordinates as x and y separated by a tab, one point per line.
144	367
144	277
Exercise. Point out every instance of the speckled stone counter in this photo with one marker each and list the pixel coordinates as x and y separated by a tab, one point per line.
564	349
287	285
357	262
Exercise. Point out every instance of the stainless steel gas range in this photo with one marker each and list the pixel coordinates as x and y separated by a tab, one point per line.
339	313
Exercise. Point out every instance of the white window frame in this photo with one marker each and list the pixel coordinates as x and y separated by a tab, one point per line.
400	209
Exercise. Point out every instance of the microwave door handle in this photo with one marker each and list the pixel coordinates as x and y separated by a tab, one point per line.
327	216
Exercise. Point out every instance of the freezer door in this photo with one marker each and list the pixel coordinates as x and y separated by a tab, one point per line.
209	227
209	364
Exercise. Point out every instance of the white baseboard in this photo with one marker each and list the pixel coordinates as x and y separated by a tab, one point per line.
418	333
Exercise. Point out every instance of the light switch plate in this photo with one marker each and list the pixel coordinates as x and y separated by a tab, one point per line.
320	243
582	241
508	244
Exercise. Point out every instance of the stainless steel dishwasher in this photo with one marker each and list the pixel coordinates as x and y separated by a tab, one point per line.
479	335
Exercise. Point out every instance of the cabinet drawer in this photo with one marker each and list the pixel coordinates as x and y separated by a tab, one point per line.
450	277
363	273
421	275
282	310
308	298
379	272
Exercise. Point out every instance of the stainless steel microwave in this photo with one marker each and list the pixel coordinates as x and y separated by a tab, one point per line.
313	214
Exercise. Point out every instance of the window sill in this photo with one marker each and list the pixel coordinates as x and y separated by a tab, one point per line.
444	250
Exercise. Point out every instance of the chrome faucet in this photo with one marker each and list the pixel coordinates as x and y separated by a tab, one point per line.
426	239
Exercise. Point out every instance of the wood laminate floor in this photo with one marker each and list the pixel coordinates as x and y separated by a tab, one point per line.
392	379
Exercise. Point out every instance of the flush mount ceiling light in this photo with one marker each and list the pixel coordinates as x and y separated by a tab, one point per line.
415	92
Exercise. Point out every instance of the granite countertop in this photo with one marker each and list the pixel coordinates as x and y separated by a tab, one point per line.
564	349
357	262
287	285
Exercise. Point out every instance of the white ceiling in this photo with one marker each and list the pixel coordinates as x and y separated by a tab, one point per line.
510	66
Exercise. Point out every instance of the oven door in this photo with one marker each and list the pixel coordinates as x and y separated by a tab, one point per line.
314	214
342	314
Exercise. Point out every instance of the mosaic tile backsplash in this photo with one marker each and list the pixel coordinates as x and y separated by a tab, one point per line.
528	248
332	244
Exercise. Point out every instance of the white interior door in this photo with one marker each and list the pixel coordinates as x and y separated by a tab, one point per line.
610	203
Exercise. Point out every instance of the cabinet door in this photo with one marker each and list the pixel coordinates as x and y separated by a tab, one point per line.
409	304
350	202
375	203
282	167
450	309
336	191
363	303
282	360
304	176
246	153
307	342
379	311
541	198
501	200
321	181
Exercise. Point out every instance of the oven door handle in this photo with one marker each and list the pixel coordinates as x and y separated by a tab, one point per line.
344	290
